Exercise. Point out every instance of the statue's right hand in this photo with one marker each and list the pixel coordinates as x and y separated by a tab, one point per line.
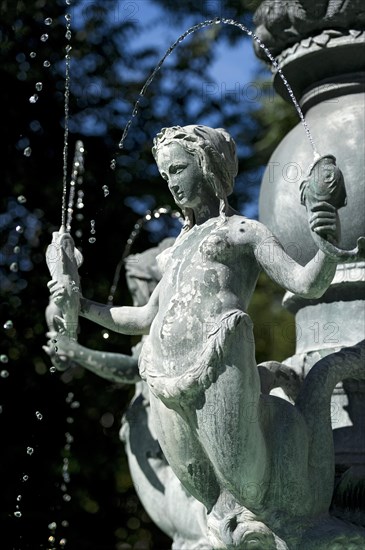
58	292
61	345
60	358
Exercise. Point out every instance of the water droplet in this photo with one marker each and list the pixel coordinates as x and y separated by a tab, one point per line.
19	498
1	409
105	189
52	526
113	164
27	152
75	405
69	420
92	240
68	35
66	497
46	63
68	17
32	55
19	229
4	374
8	325
51	539
65	523
55	349
52	370
25	478
30	451
63	542
4	359
69	437
39	415
21	199
70	397
105	334
14	267
18	514
48	21
16	249
44	37
33	99
39	86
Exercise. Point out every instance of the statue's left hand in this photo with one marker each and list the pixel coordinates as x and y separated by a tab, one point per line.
323	220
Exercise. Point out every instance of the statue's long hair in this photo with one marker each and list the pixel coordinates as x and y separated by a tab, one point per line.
215	151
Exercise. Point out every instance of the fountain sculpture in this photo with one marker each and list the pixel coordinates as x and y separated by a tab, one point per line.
221	436
259	468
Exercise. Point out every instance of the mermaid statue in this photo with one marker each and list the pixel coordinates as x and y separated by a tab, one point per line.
262	467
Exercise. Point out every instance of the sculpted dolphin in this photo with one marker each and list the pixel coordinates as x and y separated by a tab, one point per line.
63	260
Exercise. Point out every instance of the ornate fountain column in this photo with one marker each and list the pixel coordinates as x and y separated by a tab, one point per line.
320	47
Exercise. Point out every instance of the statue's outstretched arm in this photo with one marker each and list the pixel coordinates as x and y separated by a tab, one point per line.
125	319
309	281
323	193
114	367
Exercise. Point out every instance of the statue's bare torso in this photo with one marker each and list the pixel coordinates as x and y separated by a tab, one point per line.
206	275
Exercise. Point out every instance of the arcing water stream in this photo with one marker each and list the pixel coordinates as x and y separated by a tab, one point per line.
191	30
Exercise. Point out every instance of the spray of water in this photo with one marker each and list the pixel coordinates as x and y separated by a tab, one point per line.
67	117
76	177
191	30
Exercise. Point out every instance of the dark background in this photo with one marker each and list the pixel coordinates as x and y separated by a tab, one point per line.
106	76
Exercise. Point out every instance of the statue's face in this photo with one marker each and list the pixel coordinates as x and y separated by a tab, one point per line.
182	172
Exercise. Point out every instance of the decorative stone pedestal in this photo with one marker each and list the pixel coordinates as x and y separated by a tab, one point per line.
321	50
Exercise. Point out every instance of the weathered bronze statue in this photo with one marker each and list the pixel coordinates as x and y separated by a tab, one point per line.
262	467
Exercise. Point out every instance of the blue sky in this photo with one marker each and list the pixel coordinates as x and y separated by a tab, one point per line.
233	63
